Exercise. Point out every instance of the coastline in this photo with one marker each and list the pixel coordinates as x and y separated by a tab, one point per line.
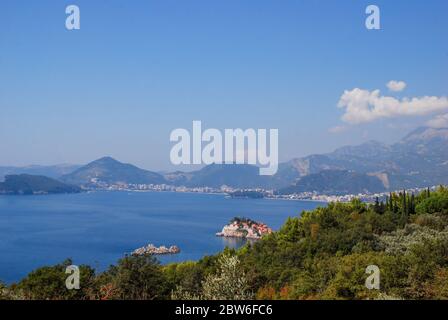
224	194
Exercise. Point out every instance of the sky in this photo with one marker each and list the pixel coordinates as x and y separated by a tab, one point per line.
138	69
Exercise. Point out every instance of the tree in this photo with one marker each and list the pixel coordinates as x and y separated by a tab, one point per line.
139	278
436	203
405	206
228	283
376	206
48	283
412	204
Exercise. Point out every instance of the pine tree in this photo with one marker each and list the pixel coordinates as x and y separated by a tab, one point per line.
382	207
404	209
412	210
394	204
376	206
405	204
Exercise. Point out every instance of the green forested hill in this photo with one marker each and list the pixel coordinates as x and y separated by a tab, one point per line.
30	184
110	171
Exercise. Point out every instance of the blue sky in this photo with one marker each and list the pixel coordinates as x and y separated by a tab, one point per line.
139	69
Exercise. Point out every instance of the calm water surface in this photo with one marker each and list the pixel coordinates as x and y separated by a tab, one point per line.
100	227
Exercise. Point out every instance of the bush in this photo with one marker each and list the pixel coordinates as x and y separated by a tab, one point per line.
433	221
48	283
228	283
400	241
437	203
138	278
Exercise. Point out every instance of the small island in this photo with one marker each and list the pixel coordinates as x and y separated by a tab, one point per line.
244	228
151	249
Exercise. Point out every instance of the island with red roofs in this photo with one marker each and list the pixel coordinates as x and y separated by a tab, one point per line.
244	228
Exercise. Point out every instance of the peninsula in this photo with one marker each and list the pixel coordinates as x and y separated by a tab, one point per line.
26	184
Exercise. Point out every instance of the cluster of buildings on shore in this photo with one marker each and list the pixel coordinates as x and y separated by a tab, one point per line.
265	193
365	197
244	228
155	188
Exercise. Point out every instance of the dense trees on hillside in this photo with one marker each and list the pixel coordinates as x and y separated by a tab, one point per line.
26	184
48	283
323	254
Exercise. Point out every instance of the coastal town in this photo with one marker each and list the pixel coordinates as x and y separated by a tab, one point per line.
255	193
244	228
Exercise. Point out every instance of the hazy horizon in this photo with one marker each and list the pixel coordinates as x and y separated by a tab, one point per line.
186	168
135	71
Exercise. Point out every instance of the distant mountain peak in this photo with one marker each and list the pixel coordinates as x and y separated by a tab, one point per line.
111	171
336	182
426	133
370	148
106	159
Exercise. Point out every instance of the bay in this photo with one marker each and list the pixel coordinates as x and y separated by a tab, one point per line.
98	228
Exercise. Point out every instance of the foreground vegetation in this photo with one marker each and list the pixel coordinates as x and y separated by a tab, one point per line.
323	254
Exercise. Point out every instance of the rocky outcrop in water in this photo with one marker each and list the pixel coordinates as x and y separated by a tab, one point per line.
152	249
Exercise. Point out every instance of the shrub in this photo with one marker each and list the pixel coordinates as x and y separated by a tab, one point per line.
437	203
48	283
228	283
139	278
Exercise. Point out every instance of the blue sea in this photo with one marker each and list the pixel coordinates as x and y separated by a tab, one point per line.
98	228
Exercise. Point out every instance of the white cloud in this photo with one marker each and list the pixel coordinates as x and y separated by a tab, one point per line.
362	106
396	86
440	121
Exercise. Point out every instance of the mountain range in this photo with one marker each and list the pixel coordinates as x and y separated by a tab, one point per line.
420	159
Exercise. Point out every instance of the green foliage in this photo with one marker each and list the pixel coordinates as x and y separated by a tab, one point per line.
4	294
437	203
138	278
400	241
229	282
432	221
324	253
48	283
30	184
